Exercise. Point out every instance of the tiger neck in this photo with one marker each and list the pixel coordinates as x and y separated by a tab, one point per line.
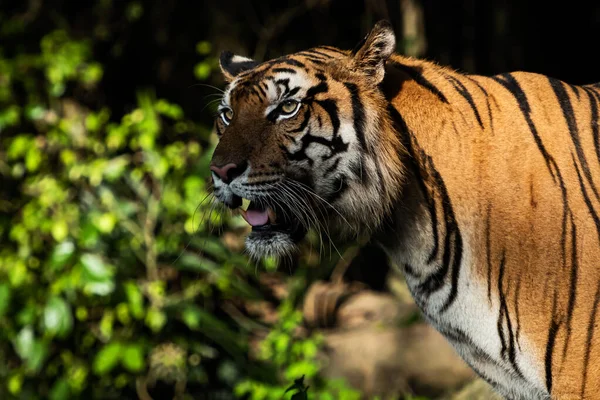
422	236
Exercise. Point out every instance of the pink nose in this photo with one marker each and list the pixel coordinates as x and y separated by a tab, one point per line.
226	172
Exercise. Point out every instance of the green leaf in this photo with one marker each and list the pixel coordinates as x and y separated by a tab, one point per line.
5	296
24	342
155	319
193	262
115	168
135	298
61	254
211	247
105	222
133	358
95	267
305	367
58	319
31	350
202	70
97	276
19	146
99	288
60	230
198	319
60	390
33	158
203	48
107	358
15	384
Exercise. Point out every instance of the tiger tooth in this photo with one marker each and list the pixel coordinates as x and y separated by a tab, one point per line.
245	203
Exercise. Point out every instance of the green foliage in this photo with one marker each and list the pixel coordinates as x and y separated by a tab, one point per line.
100	207
109	269
295	359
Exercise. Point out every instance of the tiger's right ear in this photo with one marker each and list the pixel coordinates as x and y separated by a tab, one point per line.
232	65
372	52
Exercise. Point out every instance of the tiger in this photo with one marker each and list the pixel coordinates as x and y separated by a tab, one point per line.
481	190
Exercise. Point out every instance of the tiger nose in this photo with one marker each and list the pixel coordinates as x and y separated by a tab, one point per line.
229	172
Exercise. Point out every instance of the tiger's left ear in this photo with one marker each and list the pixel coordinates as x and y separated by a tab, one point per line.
373	51
232	64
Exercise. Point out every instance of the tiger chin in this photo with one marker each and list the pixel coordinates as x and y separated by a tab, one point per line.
483	190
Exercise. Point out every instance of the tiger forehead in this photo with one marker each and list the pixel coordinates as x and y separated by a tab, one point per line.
284	77
270	88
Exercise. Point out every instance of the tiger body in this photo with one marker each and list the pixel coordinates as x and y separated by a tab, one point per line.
483	190
500	242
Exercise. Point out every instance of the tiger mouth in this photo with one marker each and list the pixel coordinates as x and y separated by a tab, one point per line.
268	219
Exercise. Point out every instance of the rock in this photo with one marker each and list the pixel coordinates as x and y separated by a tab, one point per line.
379	344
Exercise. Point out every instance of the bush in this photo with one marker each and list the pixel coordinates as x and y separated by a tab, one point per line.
116	279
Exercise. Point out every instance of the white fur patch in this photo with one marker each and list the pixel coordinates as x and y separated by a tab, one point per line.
470	312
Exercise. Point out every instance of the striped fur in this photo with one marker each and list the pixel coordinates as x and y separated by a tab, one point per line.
483	190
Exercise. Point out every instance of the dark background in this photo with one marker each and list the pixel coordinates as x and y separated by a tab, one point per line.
479	37
168	50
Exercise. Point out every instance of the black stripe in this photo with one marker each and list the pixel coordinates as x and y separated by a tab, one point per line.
518	330
506	316
402	129
464	92
586	199
330	106
281	69
336	145
453	246
292	92
285	83
304	122
333	166
292	62
322	87
434	223
358	112
511	84
590	335
312	59
316	53
262	91
575	90
573	284
568	113
554	325
594	118
333	49
420	80
487	100
501	313
409	270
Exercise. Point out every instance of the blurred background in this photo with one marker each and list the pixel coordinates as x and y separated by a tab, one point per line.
121	278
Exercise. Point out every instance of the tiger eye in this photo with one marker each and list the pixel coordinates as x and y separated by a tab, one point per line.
289	106
228	114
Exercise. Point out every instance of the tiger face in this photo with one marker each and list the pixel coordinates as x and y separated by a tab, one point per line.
300	137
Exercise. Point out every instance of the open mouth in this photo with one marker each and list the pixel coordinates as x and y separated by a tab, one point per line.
271	219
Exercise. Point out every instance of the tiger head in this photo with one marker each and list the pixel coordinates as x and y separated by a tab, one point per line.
307	139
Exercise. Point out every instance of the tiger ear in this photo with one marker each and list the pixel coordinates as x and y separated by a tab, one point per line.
232	64
372	52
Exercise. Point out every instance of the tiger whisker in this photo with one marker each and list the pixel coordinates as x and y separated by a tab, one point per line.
316	196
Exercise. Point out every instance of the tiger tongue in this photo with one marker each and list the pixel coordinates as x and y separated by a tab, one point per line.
256	217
